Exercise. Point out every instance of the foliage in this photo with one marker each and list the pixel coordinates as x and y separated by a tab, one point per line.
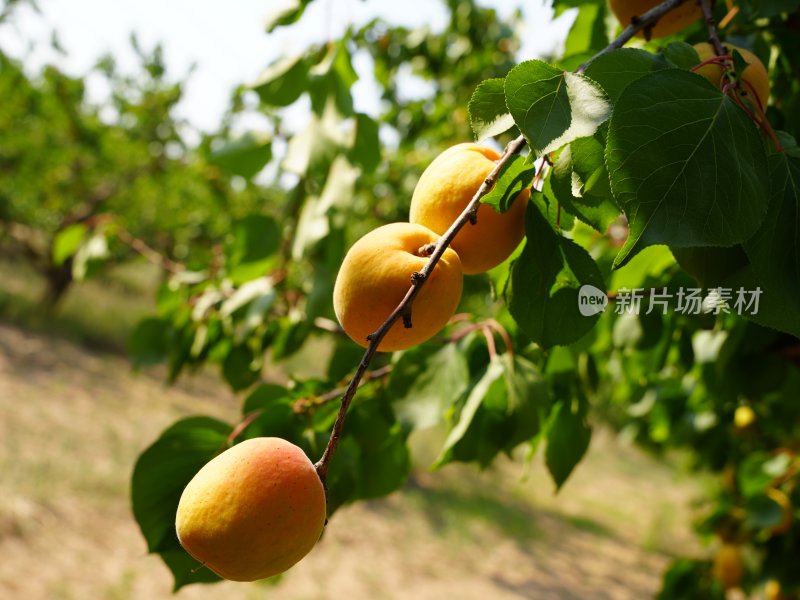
85	185
648	182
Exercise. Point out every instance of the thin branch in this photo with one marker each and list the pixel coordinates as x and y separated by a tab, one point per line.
140	247
711	25
467	216
302	405
639	23
417	281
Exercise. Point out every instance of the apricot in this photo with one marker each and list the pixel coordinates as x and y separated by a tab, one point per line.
253	511
743	417
728	566
773	591
675	20
755	74
444	190
375	276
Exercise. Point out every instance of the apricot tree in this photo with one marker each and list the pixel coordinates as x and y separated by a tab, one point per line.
657	286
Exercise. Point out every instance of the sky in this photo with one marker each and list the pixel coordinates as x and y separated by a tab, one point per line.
226	41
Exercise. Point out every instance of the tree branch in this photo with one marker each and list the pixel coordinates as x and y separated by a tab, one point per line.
639	23
713	36
140	247
417	281
467	216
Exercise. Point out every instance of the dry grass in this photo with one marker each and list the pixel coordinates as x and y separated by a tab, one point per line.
72	423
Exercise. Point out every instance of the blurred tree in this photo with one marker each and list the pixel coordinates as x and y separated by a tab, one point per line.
83	185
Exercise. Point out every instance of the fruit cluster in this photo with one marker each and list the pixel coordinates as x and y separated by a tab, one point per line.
259	507
377	271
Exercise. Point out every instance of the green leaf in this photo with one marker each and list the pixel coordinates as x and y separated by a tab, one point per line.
256	239
682	55
588	32
488	115
263	396
288	12
276	417
543	291
366	149
753	478
90	257
331	79
149	343
559	217
283	82
568	439
552	107
580	182
762	512
312	150
774	250
730	269
239	369
490	384
503	409
616	70
516	175
67	241
689	578
260	289
314	222
528	401
425	382
686	164
245	156
373	458
159	476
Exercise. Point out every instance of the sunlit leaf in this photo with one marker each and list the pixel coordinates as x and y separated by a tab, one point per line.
686	164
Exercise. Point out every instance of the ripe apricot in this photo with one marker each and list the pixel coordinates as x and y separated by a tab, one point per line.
728	566
743	417
773	591
252	511
678	18
755	74
444	190
375	276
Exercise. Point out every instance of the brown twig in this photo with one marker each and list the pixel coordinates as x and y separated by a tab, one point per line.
140	247
469	215
417	281
711	25
639	23
301	405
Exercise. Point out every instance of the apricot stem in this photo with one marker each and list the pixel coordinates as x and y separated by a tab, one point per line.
734	86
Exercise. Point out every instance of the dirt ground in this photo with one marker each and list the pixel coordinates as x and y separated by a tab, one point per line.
72	423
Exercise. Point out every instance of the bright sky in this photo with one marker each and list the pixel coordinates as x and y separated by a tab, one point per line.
226	40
